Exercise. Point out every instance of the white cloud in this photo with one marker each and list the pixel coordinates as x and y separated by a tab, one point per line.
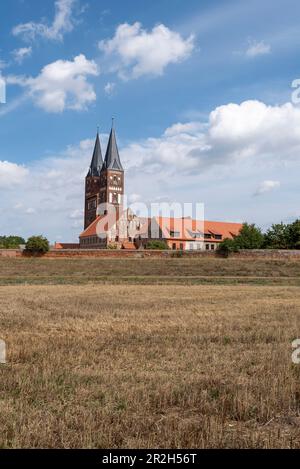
12	105
187	128
256	48
62	24
3	64
11	174
30	211
61	85
133	198
76	214
51	192
21	54
267	186
234	133
109	88
138	52
216	163
18	206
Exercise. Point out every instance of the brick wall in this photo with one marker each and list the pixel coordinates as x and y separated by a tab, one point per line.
10	253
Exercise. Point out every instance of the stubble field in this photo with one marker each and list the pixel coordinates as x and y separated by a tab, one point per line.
125	364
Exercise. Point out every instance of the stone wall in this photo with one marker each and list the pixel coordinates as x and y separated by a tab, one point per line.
267	254
121	254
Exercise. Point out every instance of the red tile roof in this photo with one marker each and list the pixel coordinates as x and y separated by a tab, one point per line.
91	230
184	228
66	246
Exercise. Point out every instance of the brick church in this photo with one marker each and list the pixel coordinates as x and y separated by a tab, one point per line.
104	192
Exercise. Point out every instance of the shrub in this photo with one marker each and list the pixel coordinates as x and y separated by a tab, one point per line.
158	245
227	247
37	245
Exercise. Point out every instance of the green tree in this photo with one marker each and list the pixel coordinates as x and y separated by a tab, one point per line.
37	245
277	237
11	242
294	235
156	244
250	237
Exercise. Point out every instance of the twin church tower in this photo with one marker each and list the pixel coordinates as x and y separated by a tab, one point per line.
104	182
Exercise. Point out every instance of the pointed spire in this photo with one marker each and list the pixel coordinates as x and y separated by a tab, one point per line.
97	160
112	158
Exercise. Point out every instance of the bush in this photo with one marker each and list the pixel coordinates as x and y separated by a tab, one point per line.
227	247
158	245
37	245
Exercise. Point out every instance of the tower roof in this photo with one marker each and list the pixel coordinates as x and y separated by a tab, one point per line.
97	160
112	158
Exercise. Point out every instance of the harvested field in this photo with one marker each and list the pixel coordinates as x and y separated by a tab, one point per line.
125	366
149	271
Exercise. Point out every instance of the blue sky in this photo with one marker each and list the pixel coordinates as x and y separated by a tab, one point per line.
201	93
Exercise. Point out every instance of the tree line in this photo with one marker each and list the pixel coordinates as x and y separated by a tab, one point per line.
34	244
279	236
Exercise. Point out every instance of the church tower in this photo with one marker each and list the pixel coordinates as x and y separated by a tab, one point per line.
112	176
93	184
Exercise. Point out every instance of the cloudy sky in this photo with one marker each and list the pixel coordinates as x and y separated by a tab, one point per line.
202	95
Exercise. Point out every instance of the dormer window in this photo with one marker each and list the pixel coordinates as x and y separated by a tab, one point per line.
196	234
174	234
